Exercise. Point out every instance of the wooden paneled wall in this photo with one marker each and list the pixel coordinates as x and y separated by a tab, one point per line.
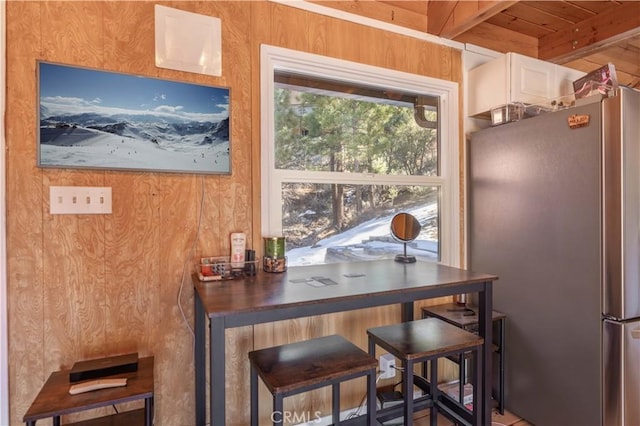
85	286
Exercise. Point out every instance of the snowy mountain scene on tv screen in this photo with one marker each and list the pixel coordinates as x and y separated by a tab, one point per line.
104	120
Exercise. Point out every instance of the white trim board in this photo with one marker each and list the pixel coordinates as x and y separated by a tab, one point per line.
370	22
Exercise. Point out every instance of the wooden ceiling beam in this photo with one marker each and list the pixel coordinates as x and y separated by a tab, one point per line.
449	19
500	39
591	34
438	13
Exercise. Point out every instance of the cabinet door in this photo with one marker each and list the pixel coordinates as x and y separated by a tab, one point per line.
488	87
531	79
564	80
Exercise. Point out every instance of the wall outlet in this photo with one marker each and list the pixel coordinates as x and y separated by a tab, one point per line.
79	200
387	366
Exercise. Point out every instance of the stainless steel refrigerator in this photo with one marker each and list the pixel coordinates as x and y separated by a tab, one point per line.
554	211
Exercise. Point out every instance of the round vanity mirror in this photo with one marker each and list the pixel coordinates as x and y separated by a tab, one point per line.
405	228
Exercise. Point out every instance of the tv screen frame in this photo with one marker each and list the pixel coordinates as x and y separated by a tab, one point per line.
96	119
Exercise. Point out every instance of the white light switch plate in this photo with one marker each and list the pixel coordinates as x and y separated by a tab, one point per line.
79	200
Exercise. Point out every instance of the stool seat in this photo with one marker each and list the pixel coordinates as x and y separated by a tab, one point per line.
294	366
302	366
421	341
428	337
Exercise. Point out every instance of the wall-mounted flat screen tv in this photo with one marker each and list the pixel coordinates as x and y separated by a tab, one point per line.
93	119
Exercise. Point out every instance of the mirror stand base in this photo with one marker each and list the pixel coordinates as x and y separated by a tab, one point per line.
403	258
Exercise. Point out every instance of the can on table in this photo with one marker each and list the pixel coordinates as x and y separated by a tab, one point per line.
274	247
272	264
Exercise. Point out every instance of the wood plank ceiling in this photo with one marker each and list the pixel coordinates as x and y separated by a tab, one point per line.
583	35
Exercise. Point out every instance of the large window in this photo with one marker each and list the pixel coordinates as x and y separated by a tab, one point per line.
345	147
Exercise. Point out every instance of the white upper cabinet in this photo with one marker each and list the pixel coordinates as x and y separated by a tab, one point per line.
515	78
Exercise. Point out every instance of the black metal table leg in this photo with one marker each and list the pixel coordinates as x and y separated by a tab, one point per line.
148	411
485	328
217	368
199	360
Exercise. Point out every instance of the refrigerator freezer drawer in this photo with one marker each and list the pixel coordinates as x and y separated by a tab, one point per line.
621	369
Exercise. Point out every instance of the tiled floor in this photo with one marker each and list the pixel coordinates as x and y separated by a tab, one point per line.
508	419
422	419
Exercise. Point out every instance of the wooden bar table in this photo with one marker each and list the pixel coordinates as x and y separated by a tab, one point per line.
336	288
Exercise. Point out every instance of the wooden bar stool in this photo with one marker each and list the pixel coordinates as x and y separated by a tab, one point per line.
427	340
303	366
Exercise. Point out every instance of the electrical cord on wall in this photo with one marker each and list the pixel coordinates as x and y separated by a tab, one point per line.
362	404
185	266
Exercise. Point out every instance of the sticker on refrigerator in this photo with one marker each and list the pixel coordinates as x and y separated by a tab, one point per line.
576	121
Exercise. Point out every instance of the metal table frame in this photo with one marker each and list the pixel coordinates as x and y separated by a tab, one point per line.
274	297
453	314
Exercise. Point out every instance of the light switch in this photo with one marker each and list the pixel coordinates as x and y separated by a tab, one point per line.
79	200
